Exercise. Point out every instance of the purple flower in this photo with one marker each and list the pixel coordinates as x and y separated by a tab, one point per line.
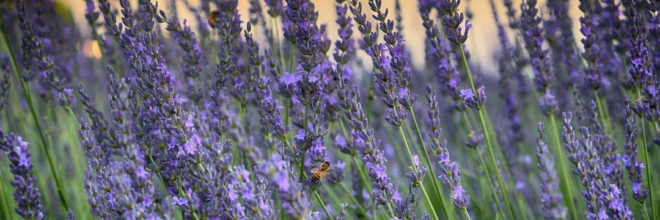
6	79
449	172
630	158
451	21
289	192
593	53
639	68
475	101
551	197
193	59
533	38
26	194
179	201
37	50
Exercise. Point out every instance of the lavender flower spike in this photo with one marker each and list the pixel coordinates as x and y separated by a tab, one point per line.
533	37
630	157
450	174
26	194
551	198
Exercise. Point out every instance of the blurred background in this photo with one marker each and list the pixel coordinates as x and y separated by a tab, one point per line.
482	42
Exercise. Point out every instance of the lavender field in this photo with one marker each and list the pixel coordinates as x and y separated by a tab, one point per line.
193	110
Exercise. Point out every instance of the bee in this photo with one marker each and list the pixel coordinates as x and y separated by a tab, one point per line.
319	172
213	17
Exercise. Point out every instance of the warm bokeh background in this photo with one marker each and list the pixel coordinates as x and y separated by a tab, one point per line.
482	41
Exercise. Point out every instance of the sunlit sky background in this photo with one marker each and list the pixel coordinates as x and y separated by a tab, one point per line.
482	41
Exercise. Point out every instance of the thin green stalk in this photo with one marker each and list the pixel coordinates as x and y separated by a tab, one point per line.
645	155
287	108
482	162
277	45
491	185
487	136
163	188
316	194
494	164
389	208
333	196
429	164
646	211
602	114
5	206
562	163
292	58
304	151
426	195
467	215
28	98
363	176
348	192
400	157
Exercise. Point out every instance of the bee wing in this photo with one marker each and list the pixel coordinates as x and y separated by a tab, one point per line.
315	170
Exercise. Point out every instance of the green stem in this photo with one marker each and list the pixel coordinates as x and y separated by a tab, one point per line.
303	151
5	206
491	185
465	212
28	98
348	192
601	114
316	194
333	196
363	176
568	187
486	135
494	164
389	208
429	164
287	108
645	154
426	195
292	58
302	167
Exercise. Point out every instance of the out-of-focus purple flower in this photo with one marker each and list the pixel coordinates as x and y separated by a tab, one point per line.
392	72
447	74
475	101
289	192
593	52
275	7
5	81
548	103
630	158
451	21
193	59
26	193
336	174
35	50
550	197
639	64
533	38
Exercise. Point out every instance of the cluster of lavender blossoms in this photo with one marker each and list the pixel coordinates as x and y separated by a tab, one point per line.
181	109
